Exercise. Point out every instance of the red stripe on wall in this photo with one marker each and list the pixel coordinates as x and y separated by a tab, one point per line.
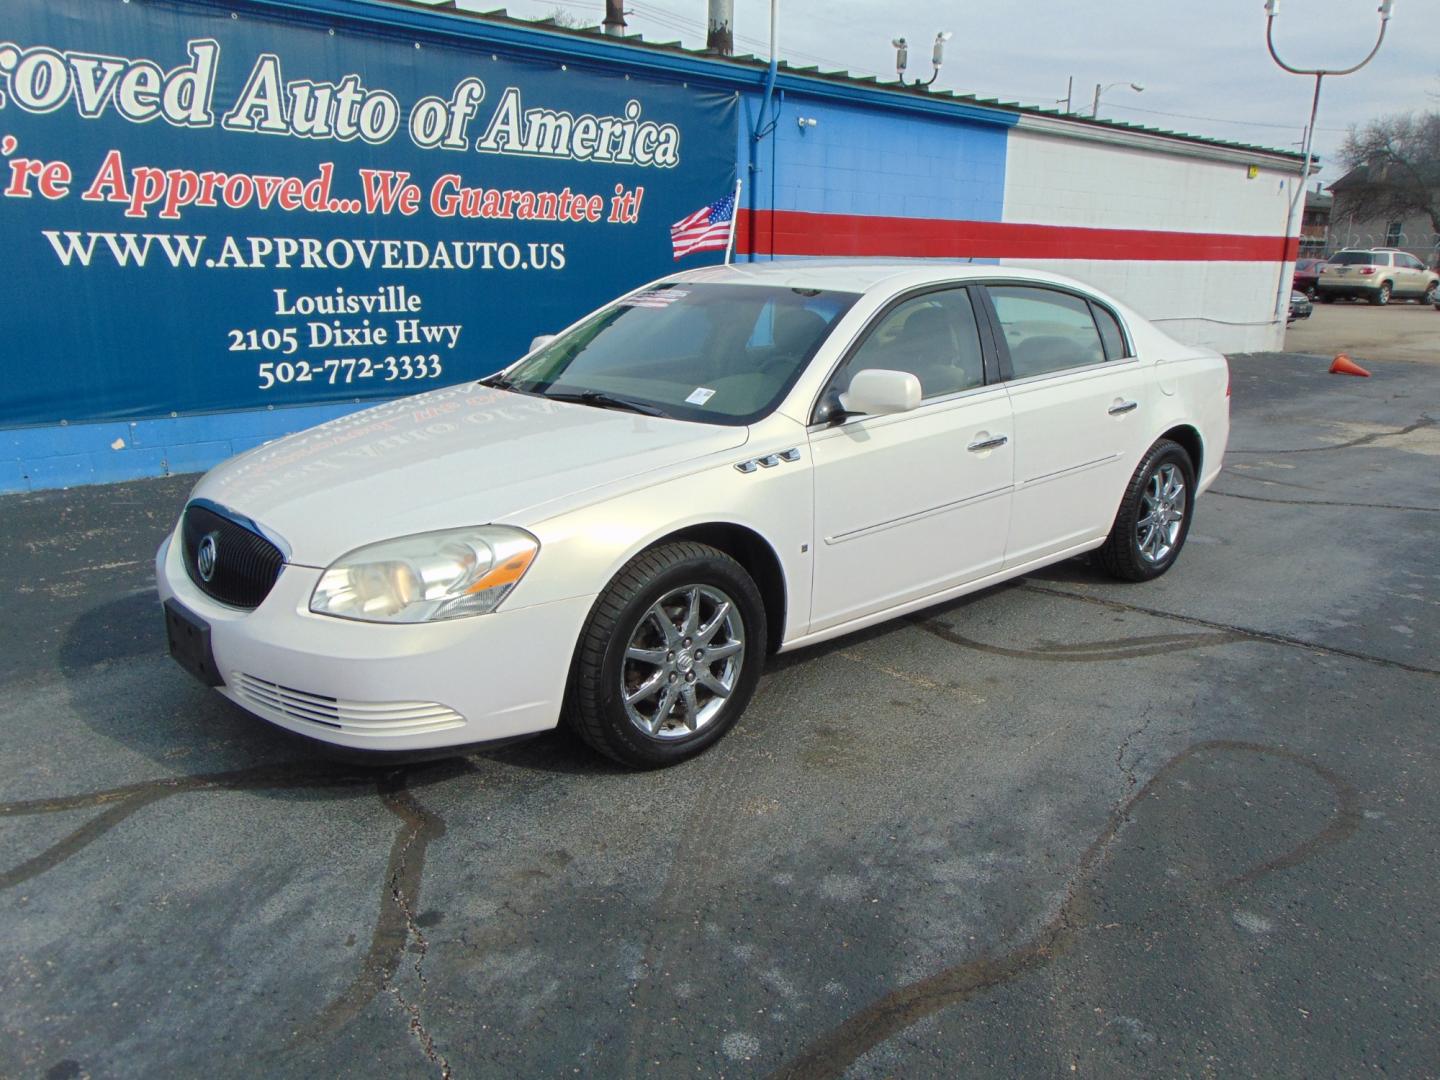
796	232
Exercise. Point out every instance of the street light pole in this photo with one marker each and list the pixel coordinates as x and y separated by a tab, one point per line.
1095	106
1272	9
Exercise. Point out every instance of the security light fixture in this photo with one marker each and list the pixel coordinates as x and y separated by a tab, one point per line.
937	58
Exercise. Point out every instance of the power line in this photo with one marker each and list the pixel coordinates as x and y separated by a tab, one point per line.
1215	119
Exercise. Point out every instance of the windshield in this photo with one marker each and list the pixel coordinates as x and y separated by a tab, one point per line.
1353	258
720	354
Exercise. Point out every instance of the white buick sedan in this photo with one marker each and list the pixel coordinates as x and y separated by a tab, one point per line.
619	528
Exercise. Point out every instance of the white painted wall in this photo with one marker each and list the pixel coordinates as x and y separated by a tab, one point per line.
1057	179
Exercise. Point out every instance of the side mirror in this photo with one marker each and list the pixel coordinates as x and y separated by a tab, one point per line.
877	391
540	341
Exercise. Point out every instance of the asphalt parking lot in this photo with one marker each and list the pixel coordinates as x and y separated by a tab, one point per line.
1399	331
1062	827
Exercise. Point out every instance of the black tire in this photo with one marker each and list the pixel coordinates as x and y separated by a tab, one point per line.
1381	296
1327	298
1430	291
1121	556
594	704
1311	293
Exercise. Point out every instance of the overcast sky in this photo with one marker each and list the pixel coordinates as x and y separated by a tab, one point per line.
1203	63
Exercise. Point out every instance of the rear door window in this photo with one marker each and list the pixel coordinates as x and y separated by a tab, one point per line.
1046	330
1110	333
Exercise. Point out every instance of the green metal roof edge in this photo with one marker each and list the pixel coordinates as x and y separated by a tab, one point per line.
866	84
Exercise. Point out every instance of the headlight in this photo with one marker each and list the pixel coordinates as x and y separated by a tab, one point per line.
439	575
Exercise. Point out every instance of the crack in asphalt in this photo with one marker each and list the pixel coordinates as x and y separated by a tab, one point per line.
1085	652
1128	771
396	924
423	827
1364	440
1324	502
126	799
833	1053
1238	631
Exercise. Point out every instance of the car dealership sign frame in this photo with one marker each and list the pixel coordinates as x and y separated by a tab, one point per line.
214	208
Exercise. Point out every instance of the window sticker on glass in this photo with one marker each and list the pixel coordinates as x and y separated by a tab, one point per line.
654	298
699	396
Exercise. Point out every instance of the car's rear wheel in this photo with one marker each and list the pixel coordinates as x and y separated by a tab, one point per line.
1154	516
669	657
1381	296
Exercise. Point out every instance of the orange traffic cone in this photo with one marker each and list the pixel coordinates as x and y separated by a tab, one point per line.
1343	365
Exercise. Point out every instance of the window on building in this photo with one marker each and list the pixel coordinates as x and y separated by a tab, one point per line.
1393	232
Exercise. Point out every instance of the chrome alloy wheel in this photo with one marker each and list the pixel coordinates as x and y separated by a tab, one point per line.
1164	501
682	661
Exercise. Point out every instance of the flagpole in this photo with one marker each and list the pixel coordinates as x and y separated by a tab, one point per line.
734	217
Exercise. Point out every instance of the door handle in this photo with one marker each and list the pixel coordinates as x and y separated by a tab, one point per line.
988	444
1122	407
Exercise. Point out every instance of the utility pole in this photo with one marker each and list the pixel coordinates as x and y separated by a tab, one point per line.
1272	9
615	18
720	27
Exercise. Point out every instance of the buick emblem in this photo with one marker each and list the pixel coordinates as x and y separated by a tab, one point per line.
205	557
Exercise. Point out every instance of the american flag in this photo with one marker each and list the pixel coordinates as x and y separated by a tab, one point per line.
707	229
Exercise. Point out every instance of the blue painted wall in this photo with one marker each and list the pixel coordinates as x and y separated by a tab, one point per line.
858	160
36	458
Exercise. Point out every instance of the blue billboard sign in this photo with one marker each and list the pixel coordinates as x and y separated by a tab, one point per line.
208	208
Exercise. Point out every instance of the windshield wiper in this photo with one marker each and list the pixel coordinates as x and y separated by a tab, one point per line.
602	400
498	381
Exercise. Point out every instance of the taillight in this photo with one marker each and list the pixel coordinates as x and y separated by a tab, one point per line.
1367	269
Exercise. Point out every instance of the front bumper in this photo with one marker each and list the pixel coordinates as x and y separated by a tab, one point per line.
370	686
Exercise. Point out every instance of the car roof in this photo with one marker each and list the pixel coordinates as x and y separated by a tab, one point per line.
862	275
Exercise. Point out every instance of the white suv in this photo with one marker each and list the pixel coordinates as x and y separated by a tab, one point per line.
1377	275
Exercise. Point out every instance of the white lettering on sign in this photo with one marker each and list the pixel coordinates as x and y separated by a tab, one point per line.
618	140
40	79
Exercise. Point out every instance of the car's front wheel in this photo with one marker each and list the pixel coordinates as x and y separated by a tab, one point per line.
1154	516
669	657
1430	291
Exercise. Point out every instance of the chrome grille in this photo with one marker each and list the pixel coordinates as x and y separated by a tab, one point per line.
339	714
245	566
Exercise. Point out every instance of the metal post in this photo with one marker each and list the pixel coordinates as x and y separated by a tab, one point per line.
1069	92
1272	8
720	27
1095	108
763	120
734	217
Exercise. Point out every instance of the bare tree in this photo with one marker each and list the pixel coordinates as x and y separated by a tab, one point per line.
561	17
1395	166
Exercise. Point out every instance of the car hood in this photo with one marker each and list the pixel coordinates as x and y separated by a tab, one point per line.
466	455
